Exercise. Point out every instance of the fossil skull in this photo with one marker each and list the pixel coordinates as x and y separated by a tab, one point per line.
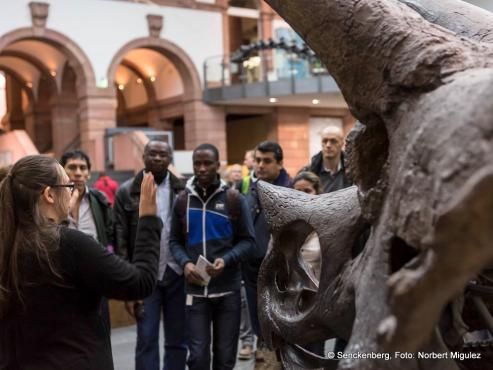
422	162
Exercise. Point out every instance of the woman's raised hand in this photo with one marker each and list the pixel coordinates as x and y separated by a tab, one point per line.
148	189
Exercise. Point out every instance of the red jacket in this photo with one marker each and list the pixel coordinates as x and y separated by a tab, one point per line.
108	187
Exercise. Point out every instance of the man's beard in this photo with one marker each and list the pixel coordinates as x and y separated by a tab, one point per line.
159	177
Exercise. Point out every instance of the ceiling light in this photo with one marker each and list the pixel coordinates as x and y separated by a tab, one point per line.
29	84
53	73
315	101
121	86
272	100
152	78
139	80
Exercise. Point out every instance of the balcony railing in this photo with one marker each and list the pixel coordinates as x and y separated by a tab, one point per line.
271	65
271	72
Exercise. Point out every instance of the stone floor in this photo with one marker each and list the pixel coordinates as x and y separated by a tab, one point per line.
123	343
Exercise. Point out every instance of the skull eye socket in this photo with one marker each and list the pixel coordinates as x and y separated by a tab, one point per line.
306	300
400	254
299	260
311	255
282	277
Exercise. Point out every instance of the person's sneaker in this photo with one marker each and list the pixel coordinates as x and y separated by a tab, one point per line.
245	353
266	360
260	355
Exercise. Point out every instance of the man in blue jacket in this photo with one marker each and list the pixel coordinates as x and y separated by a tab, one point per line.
213	221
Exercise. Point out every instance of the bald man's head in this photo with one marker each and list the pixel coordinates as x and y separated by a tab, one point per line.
334	130
332	142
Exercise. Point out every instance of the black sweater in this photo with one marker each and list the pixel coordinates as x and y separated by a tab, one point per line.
60	326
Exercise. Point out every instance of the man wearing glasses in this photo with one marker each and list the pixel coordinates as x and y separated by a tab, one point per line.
91	213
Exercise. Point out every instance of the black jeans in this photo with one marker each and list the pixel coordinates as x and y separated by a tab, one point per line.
224	314
168	298
251	295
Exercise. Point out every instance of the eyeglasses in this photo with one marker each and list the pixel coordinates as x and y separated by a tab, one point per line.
71	186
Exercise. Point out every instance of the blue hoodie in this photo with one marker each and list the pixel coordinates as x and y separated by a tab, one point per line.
210	232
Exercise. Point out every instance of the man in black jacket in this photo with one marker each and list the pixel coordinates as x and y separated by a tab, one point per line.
169	295
211	222
328	164
92	213
268	167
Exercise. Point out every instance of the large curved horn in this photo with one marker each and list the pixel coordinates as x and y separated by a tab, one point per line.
457	16
380	52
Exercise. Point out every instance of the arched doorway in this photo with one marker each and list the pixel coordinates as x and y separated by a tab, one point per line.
158	86
149	89
46	76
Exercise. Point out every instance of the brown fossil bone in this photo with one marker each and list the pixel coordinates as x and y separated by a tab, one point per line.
422	163
457	16
289	287
323	310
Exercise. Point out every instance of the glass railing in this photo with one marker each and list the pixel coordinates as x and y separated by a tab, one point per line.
249	4
267	66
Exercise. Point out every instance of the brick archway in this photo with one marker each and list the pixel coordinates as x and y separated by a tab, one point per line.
177	56
89	112
203	123
86	80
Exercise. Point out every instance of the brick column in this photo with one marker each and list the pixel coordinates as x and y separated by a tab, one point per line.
162	124
265	20
153	119
64	123
15	115
43	128
97	113
205	124
292	135
30	124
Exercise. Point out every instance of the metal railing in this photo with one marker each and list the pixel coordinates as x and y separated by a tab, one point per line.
150	132
267	66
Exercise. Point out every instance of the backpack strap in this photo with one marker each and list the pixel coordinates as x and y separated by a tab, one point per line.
181	209
234	204
232	199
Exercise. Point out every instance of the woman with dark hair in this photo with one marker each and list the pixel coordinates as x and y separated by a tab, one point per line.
52	278
3	172
307	182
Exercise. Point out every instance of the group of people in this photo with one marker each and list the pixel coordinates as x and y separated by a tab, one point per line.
183	250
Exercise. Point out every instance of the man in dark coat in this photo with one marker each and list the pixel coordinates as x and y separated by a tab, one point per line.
268	167
169	295
328	164
91	213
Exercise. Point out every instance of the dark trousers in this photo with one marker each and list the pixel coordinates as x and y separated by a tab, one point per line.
251	295
224	314
105	313
169	296
246	332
